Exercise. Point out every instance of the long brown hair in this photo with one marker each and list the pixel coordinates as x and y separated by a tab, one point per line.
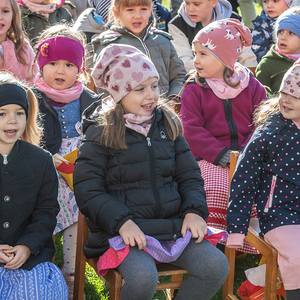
113	135
33	129
16	34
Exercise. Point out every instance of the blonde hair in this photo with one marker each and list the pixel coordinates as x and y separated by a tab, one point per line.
119	4
65	31
33	129
113	135
266	109
16	34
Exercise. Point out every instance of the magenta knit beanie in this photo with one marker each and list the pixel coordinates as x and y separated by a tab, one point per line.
121	68
60	48
225	39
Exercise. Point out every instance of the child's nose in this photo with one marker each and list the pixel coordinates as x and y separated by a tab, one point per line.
12	119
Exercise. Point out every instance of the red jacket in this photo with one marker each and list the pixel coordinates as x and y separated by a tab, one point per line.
213	126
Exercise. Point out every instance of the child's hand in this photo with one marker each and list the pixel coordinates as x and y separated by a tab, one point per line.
21	254
196	225
4	258
132	235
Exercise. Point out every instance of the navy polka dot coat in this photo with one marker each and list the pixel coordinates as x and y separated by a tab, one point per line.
268	174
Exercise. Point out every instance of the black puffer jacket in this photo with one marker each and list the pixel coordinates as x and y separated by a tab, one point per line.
155	182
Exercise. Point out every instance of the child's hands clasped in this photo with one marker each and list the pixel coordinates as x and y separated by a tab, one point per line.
132	235
19	254
196	225
5	258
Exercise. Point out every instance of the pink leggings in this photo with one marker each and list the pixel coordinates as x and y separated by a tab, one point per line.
286	240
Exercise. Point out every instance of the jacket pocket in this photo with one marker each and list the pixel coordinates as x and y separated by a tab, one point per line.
270	197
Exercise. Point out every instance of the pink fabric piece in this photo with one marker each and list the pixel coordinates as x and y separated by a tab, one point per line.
10	63
235	240
121	68
285	240
229	34
60	48
291	81
61	96
140	124
165	251
42	9
224	91
295	56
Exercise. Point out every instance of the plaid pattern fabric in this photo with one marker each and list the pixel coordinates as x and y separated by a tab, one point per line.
216	184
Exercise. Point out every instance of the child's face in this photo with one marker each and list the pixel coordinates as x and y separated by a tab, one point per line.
290	107
6	15
12	126
134	18
200	10
274	8
143	99
288	42
206	64
60	74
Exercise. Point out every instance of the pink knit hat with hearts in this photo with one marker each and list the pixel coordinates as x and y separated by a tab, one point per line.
121	68
291	81
225	39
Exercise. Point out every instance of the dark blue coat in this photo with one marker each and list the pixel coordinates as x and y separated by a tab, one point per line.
268	173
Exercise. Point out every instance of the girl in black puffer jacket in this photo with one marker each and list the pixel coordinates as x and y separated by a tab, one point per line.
139	186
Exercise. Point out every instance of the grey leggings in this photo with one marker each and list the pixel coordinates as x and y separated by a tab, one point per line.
207	265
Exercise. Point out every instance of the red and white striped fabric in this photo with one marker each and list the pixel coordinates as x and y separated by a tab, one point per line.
216	184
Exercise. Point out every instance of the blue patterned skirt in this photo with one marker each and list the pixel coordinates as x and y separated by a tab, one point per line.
43	282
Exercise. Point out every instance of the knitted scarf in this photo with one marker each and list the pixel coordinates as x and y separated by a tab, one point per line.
140	124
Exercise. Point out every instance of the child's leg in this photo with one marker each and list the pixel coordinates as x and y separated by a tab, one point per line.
292	295
69	248
285	240
208	267
140	274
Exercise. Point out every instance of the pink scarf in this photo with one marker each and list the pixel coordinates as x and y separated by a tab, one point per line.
60	96
295	56
140	124
224	91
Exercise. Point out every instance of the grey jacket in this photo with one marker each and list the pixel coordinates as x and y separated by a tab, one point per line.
157	45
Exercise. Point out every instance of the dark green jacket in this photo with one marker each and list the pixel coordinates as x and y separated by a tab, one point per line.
34	23
271	70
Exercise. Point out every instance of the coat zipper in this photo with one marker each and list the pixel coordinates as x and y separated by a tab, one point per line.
231	124
152	171
269	203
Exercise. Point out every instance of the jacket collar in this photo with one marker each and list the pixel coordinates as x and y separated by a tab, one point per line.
12	154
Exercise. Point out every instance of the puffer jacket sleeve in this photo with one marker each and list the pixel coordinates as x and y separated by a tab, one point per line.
182	46
89	186
189	180
176	71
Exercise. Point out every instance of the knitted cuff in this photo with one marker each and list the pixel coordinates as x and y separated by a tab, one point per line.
225	159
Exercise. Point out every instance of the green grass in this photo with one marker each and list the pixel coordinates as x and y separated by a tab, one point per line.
96	289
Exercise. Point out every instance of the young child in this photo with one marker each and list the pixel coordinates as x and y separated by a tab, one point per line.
138	184
62	99
37	15
29	207
264	24
16	54
192	17
268	174
131	27
216	109
281	56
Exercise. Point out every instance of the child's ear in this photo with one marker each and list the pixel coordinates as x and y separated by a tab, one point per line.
214	3
115	12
